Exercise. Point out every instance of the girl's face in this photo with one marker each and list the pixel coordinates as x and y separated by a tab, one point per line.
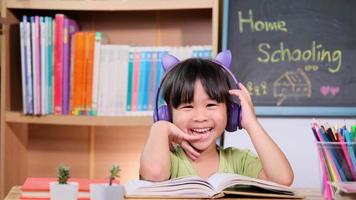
202	116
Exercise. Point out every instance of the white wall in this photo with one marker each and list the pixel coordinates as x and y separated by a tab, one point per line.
295	138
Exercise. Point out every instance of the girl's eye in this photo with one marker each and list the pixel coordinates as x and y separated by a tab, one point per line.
211	105
187	106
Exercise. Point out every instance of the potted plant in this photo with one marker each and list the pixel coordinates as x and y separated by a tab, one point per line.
108	191
62	189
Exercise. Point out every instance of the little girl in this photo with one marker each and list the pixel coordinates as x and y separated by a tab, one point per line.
199	95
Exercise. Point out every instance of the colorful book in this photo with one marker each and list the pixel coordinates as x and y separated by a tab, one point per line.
141	79
130	80
78	73
69	28
89	62
23	65
43	61
29	69
153	69
96	70
147	75
58	63
135	79
123	71
37	65
49	64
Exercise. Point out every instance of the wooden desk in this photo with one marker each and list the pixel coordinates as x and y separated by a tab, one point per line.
310	194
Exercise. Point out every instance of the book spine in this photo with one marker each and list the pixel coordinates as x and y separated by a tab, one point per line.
49	64
90	69
115	79
78	48
102	79
97	46
159	74
147	80
43	44
69	28
37	49
33	61
153	77
58	64
29	69
66	65
124	60
130	80
136	73
141	80
23	66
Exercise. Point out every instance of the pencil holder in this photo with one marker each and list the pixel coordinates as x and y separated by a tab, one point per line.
337	166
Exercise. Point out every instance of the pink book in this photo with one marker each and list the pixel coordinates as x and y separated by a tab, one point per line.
136	75
58	63
37	65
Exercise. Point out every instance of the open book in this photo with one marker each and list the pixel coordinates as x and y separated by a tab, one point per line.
218	185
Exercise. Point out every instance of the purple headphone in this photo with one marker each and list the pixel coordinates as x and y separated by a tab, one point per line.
223	59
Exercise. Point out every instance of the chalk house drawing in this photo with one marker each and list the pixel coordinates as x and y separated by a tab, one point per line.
291	84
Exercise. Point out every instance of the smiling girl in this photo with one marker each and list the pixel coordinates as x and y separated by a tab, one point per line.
199	95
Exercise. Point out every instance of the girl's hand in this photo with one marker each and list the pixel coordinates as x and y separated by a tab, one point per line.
191	152
247	108
177	136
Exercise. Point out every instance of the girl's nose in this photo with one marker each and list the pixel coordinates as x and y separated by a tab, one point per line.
200	115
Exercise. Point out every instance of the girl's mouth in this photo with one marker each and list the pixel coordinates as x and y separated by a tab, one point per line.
203	132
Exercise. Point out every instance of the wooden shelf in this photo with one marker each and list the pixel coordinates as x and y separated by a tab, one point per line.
110	4
34	145
18	117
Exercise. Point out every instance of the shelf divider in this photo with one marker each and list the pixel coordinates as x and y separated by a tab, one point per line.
18	117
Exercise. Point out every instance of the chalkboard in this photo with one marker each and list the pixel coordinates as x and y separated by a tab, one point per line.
295	57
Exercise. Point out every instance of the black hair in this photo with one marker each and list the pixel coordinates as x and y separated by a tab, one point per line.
178	86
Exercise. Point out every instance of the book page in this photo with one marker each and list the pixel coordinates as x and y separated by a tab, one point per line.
180	187
221	181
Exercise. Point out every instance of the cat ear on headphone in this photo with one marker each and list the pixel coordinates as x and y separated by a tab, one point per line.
169	61
224	58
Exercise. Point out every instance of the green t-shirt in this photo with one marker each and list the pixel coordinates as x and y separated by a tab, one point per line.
232	160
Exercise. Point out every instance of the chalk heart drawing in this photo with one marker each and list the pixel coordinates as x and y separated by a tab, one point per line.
334	90
325	90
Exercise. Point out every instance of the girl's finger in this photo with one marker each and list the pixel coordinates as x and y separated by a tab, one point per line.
171	146
190	151
244	89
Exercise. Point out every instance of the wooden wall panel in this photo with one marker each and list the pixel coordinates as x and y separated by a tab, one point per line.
52	145
15	163
177	28
119	145
174	28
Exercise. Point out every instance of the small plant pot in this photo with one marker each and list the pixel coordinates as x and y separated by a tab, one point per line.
63	191
105	191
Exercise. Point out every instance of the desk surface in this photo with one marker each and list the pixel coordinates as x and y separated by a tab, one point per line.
310	194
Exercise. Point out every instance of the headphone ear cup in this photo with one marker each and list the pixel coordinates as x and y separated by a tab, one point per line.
163	114
234	118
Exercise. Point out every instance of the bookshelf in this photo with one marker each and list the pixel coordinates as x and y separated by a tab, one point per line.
36	145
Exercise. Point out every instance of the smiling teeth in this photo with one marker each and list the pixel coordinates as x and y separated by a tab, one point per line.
201	130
